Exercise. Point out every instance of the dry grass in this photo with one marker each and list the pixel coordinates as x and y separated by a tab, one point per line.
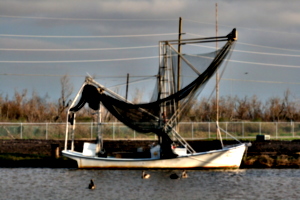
266	161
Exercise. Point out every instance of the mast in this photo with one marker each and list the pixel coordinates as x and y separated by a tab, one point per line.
99	144
217	72
217	83
179	67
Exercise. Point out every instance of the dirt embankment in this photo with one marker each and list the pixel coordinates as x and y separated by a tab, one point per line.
41	153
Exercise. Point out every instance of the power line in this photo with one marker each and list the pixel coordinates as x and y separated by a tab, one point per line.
60	75
140	58
251	63
264	64
188	20
84	19
258	81
263	53
78	61
251	52
141	47
145	78
101	36
248	44
241	27
89	49
256	45
53	75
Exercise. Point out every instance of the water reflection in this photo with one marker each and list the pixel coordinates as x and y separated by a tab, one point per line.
45	183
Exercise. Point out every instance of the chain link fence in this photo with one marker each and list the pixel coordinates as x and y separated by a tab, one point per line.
118	131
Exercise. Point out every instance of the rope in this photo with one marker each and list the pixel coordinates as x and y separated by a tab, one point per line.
229	134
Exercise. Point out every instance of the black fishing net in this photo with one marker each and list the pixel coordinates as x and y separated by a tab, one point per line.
161	114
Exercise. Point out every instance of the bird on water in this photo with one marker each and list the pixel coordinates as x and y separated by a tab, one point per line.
184	174
92	185
145	176
174	176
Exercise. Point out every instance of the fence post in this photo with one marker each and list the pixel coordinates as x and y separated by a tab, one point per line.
21	131
243	129
113	130
209	130
192	130
276	130
47	131
226	129
91	130
259	128
293	129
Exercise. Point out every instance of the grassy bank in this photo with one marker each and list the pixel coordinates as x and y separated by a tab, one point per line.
31	160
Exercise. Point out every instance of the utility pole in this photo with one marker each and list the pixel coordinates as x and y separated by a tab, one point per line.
179	67
217	73
179	50
127	83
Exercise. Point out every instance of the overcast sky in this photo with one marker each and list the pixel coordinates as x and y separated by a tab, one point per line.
40	41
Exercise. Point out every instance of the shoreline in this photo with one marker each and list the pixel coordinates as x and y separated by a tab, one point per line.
249	162
41	153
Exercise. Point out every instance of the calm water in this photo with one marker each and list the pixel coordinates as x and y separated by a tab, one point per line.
39	183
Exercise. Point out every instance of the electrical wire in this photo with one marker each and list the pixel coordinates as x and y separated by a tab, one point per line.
243	43
251	52
241	27
77	61
72	37
84	19
256	45
60	75
90	49
259	81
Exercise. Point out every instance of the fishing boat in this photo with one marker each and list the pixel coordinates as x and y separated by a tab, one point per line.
172	98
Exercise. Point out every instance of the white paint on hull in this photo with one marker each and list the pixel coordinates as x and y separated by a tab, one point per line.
228	157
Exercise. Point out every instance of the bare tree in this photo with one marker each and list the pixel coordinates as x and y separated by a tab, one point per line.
255	109
275	109
66	91
226	106
242	109
290	108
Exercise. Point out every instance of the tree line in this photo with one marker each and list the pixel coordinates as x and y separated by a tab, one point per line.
25	108
275	109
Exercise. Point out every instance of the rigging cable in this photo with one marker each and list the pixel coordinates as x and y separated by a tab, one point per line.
243	43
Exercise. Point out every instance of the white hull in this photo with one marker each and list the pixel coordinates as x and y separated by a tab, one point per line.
228	157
